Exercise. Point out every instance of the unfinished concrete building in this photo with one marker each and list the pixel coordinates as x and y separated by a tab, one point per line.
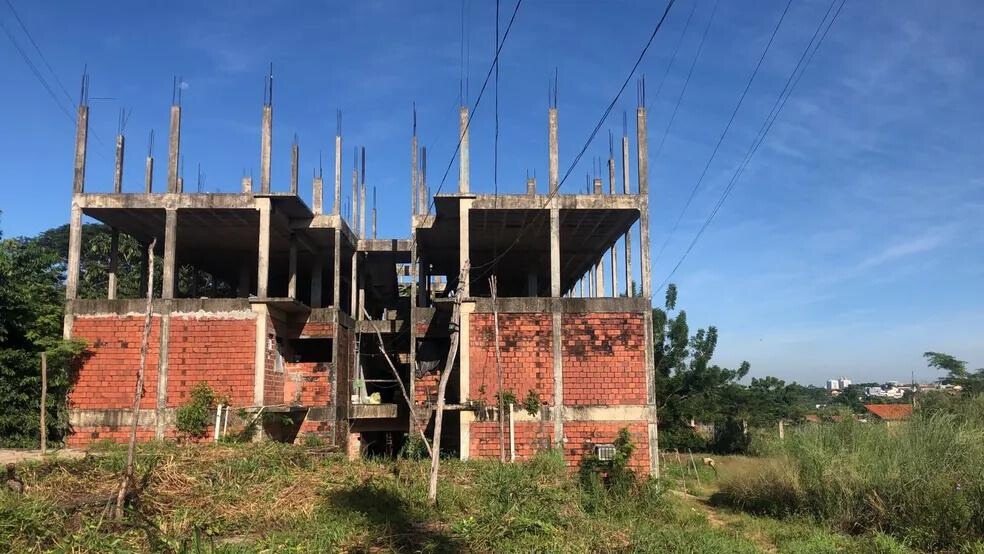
298	311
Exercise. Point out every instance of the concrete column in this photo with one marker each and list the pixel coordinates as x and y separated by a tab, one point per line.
423	193
414	185
248	185
354	214
163	366
170	247
336	295
362	211
317	193
628	234
317	269
613	253
464	167
600	275
118	169
292	269
464	246
72	272
531	186
266	139
81	143
596	187
557	411
643	155
337	206
554	252
294	157
74	253
354	290
174	150
554	175
114	247
149	175
263	249
259	370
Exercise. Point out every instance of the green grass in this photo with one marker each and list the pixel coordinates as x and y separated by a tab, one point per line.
921	482
279	498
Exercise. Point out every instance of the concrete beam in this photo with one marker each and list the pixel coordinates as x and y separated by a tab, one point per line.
81	143
170	245
562	201
174	150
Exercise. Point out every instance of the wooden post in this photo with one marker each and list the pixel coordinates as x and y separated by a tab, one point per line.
498	367
138	392
443	386
782	431
694	463
44	403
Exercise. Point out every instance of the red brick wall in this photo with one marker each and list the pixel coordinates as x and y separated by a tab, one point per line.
526	346
604	357
109	375
307	383
317	329
530	436
219	351
582	435
425	388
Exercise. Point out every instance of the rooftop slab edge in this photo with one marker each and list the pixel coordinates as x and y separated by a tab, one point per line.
130	306
564	305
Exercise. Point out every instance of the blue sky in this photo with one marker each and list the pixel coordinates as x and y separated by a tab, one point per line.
852	243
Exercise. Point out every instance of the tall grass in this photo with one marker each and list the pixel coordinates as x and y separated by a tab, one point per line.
921	481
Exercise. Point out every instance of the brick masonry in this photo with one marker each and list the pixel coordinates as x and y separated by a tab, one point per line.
217	350
604	364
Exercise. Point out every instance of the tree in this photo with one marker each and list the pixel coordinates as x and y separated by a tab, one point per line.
957	373
31	309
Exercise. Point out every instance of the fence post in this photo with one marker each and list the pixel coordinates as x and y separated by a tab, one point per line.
44	403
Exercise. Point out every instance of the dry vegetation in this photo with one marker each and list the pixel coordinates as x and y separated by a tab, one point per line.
279	498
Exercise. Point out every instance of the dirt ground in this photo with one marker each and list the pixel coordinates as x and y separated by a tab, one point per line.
17	455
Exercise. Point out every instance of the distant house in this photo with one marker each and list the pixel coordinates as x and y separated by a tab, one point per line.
890	412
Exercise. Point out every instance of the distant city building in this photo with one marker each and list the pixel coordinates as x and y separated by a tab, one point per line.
833	384
844	383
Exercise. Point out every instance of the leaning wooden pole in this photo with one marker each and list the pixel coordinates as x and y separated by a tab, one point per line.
498	367
443	386
138	391
399	381
44	403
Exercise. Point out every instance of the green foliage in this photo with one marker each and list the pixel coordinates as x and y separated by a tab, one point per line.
532	403
919	481
193	418
610	475
31	308
957	373
505	398
731	437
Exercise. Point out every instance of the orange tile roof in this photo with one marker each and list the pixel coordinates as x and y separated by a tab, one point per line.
890	412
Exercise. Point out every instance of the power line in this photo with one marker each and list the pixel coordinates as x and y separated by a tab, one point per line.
770	120
686	83
587	143
724	133
38	49
676	50
481	93
36	72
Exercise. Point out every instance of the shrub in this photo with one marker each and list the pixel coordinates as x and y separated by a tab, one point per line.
193	417
921	481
